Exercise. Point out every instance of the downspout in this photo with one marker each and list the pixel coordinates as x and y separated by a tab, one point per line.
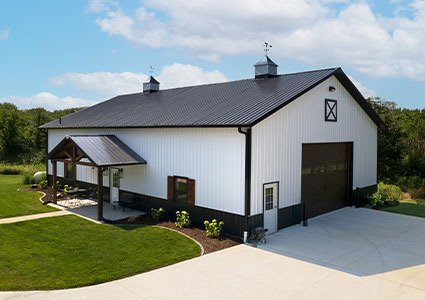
47	152
247	132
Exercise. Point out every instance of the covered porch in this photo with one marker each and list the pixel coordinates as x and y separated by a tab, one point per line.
109	212
97	151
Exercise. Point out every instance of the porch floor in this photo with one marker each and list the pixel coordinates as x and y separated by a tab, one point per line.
109	213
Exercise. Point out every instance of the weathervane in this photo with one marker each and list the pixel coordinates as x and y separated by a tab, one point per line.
151	70
267	47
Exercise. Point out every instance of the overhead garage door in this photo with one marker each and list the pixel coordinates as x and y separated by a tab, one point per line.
325	177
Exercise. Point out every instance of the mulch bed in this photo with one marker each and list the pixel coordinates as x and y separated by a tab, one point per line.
48	191
210	244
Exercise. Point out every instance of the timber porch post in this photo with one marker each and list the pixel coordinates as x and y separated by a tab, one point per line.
99	193
54	185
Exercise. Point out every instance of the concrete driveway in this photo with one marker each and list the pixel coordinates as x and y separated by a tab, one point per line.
348	254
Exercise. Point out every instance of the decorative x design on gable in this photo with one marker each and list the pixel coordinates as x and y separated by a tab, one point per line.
330	110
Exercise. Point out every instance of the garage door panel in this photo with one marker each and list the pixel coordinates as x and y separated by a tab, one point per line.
324	183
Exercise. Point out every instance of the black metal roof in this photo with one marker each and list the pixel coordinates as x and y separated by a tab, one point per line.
266	61
151	79
101	150
228	104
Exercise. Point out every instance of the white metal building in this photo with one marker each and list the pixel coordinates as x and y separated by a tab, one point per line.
268	151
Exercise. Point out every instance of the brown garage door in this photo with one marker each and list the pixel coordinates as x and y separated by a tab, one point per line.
325	177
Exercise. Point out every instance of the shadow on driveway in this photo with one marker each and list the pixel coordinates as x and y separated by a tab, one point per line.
360	241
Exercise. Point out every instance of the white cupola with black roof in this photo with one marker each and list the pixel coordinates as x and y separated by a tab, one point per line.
265	68
151	85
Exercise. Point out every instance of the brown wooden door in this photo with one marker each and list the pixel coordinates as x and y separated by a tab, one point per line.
324	177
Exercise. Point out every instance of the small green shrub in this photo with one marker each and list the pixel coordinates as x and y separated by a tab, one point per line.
66	188
158	214
58	185
213	229
391	194
377	200
42	184
183	219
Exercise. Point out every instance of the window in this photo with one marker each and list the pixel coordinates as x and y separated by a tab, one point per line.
68	170
115	179
330	110
180	190
269	198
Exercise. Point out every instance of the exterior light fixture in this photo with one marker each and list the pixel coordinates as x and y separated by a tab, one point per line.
331	89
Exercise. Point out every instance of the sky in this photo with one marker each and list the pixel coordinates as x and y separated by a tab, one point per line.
62	54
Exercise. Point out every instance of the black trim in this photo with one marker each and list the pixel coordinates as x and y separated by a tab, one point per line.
332	111
361	195
47	160
350	172
288	216
348	85
234	225
248	146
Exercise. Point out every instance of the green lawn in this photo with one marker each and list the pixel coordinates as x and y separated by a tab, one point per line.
409	207
68	251
14	203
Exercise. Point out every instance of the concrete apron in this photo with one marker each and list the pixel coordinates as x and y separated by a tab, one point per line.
350	254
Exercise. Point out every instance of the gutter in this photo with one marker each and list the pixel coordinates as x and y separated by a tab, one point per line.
247	132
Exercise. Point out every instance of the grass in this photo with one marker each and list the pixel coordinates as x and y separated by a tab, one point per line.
68	251
15	169
14	203
409	207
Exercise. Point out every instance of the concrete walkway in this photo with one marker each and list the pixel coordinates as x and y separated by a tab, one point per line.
33	217
351	254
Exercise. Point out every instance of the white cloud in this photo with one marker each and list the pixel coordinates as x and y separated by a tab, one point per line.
366	92
107	84
47	101
4	34
310	31
98	6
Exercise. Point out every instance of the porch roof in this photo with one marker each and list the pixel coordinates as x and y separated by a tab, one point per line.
100	150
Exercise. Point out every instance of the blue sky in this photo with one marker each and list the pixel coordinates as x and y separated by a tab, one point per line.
59	54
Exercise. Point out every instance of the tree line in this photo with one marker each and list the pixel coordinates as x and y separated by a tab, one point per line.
401	149
21	141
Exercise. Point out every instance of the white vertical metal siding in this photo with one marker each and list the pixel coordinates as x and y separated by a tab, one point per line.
214	157
277	142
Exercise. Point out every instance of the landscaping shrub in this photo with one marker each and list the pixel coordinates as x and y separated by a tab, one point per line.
66	188
27	177
213	229
376	200
386	195
158	214
391	194
42	184
183	219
